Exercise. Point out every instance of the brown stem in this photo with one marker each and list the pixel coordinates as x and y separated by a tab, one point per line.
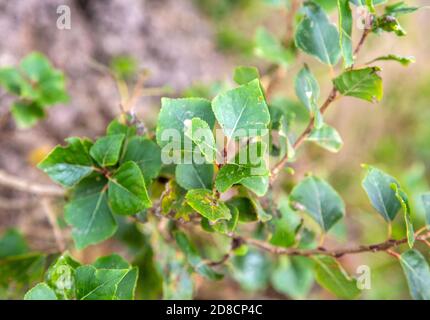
20	184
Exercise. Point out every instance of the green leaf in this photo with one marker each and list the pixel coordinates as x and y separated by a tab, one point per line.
89	214
271	49
327	5
200	133
308	91
106	150
242	111
326	137
247	212
284	234
345	23
175	112
194	258
243	75
26	114
377	185
404	202
403	60
417	274
257	184
146	154
364	84
61	277
293	276
399	8
40	292
194	176
388	23
320	200
68	165
205	202
252	270
425	198
21	270
12	80
317	36
330	275
98	284
12	243
127	190
223	226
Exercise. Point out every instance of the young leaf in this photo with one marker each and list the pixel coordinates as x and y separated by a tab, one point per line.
345	24
330	275
417	274
12	80
243	75
194	258
319	200
40	292
364	84
194	176
68	165
205	203
175	112
127	190
403	60
317	36
426	204
269	48
106	150
377	185
404	201
200	133
399	8
146	154
26	114
89	214
61	277
223	226
388	23
308	91
243	111
327	137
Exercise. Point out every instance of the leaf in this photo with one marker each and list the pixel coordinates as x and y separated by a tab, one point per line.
26	114
223	226
68	165
364	84
388	23
40	292
233	173
194	176
403	60
127	190
293	276
417	274
242	111
271	49
12	80
319	200
21	270
89	214
194	258
377	185
330	275
252	270
200	133
425	198
205	203
60	277
98	284
345	35
404	202
247	212
243	75
308	91
174	113
106	150
257	184
12	243
146	154
285	226
113	261
400	8
326	137
317	36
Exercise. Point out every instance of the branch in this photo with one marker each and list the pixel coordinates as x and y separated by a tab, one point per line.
332	97
13	182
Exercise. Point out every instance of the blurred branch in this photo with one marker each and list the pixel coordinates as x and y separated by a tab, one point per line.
20	184
52	218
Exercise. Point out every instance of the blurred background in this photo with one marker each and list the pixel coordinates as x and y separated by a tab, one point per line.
190	48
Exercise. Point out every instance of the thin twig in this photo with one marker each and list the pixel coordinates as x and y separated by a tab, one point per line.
20	184
52	218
